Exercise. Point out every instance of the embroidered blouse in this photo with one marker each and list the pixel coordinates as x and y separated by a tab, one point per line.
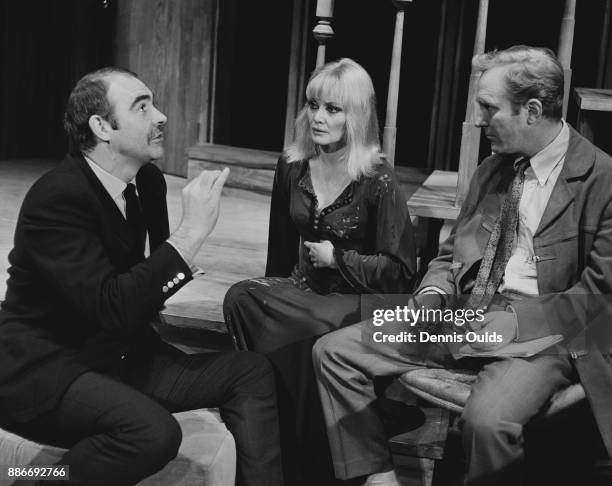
368	225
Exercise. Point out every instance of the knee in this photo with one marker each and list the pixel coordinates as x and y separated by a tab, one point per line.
170	437
159	440
320	351
254	370
326	353
477	424
235	295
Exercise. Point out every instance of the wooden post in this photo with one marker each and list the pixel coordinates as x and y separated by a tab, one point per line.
564	52
297	64
207	118
470	135
390	131
323	30
604	45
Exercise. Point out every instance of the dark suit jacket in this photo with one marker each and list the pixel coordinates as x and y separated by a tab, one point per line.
574	246
79	297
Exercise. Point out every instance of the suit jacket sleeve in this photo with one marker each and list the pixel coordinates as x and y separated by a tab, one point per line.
283	236
62	240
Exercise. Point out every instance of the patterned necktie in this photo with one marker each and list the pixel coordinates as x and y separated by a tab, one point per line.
133	215
500	245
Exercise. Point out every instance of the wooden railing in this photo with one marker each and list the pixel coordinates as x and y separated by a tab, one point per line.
323	31
451	187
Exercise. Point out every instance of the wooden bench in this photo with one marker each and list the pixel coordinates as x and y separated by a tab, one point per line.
590	100
444	393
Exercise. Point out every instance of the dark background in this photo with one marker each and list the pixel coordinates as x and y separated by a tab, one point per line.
46	45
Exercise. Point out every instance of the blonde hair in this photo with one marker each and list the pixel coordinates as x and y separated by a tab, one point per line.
347	83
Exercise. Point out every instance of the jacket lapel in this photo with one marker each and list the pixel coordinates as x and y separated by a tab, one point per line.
152	194
579	159
111	212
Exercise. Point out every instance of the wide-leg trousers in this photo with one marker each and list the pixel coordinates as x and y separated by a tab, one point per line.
507	394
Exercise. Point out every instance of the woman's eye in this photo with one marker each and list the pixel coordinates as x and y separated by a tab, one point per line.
143	107
313	105
333	109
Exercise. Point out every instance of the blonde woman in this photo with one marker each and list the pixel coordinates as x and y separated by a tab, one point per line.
339	227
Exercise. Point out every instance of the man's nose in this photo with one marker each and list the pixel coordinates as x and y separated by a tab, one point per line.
480	118
159	118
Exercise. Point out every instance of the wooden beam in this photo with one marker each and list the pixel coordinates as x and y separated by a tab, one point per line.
434	125
470	135
604	45
390	131
207	118
564	52
297	62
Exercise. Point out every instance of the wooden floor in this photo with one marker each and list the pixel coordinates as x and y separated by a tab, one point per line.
235	250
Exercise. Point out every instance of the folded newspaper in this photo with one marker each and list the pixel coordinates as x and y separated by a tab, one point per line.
523	349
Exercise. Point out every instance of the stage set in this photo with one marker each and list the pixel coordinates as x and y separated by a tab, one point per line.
231	76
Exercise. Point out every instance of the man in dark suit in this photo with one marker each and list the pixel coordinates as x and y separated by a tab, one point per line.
533	240
80	366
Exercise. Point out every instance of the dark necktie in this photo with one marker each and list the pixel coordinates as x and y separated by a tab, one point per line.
133	215
500	245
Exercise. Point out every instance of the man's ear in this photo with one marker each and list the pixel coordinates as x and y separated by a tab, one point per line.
100	127
534	110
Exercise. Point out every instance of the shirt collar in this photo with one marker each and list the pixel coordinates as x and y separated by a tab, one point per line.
113	185
544	162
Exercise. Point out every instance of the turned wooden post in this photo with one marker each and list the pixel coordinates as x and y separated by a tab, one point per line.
297	65
470	134
323	30
564	52
390	130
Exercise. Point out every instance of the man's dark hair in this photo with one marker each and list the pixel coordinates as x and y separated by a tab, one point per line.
89	98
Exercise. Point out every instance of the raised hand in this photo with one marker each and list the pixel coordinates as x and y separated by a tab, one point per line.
201	200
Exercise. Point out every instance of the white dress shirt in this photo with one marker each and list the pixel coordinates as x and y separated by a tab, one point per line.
540	177
113	185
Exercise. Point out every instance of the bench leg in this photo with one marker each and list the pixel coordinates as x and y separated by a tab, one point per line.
415	471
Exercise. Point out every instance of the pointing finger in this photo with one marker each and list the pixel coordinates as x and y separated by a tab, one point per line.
221	179
209	179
